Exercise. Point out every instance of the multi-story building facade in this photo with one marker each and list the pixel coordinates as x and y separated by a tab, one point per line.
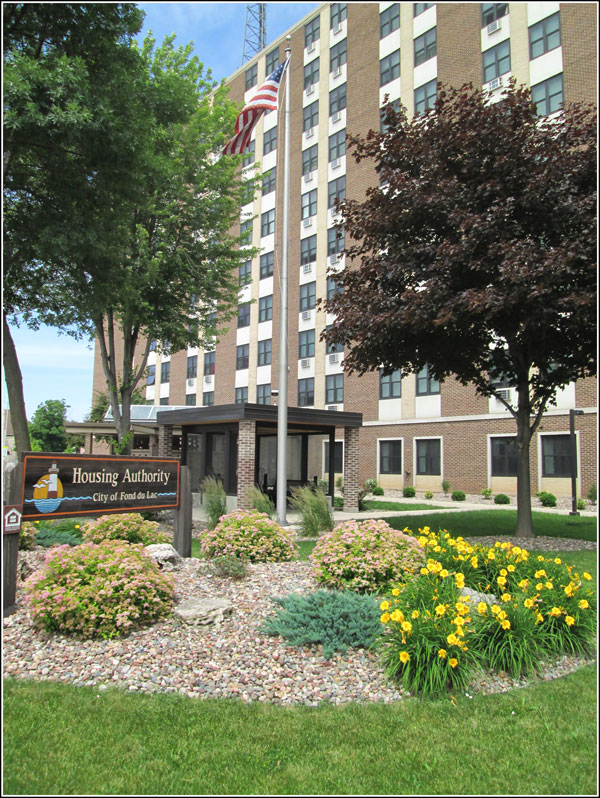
345	60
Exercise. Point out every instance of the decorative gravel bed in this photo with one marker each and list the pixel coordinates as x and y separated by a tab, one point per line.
232	660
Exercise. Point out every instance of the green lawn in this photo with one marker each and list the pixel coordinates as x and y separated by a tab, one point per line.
379	506
62	740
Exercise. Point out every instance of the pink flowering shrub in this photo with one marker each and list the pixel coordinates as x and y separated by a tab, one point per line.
98	590
365	556
249	535
124	526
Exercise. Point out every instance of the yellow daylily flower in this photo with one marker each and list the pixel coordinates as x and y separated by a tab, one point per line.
453	662
442	653
404	656
569	620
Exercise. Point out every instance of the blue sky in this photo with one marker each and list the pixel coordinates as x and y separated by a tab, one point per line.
55	366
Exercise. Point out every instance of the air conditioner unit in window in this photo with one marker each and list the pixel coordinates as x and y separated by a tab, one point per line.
310	89
332	407
335	163
305	363
495	83
307	222
310	48
191	382
337	72
337	28
308	177
307	268
336	117
504	393
309	133
334	258
494	26
334	357
305	315
208	379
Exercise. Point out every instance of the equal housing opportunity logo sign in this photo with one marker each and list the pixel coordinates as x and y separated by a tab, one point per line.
60	485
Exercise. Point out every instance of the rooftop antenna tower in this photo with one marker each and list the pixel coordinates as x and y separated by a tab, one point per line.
255	32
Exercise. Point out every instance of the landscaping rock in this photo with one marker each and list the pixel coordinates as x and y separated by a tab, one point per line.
166	556
476	597
203	612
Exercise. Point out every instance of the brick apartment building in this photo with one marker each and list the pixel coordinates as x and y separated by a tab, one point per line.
345	59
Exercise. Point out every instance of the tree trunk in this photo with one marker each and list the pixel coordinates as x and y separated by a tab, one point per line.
524	519
14	386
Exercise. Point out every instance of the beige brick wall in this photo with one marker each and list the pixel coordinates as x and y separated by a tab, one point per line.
579	29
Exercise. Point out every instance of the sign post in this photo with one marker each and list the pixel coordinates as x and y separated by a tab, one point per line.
11	526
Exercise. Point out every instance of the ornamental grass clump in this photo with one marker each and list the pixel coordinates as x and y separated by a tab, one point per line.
365	556
130	527
251	536
98	590
312	505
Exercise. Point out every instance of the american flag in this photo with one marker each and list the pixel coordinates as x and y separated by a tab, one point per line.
265	98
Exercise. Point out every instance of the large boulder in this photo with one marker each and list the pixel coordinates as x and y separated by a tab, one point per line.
166	556
203	611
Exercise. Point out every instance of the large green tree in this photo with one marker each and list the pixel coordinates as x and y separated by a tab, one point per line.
476	254
47	426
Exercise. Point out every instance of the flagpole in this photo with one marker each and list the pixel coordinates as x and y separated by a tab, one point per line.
282	405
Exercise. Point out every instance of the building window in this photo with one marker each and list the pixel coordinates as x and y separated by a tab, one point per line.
338	457
264	352
309	204
556	456
426	384
338	55
153	346
334	389
395	104
151	375
190	399
389	68
243	315
209	362
246	231
337	99
272	61
270	140
265	308
192	366
267	223
337	145
241	395
306	347
310	159
263	394
251	76
333	348
248	153
504	457
419	8
311	74
308	296
425	46
165	371
333	288
390	457
490	12
425	97
306	392
496	61
266	265
312	31
242	356
268	181
208	398
428	457
544	36
548	95
164	400
308	250
310	116
338	14
245	273
390	385
389	20
336	240
336	191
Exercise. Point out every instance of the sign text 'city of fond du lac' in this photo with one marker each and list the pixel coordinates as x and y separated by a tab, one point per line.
60	485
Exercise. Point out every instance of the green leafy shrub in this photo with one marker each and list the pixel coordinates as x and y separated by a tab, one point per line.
336	620
339	483
508	638
409	492
486	493
52	537
370	484
251	536
445	487
365	556
501	498
316	516
377	490
27	536
260	501
547	499
124	526
214	500
592	494
458	496
428	494
228	566
338	502
581	504
98	590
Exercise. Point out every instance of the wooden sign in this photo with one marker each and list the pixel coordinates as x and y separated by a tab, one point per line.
11	518
63	485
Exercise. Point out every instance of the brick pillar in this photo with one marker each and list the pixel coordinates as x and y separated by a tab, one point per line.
88	443
351	485
165	440
245	462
